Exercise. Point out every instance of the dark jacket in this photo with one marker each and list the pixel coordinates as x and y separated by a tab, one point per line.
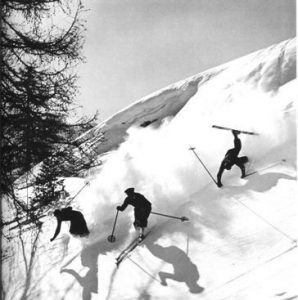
138	201
78	224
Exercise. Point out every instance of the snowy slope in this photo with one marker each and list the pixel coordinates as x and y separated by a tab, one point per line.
266	70
240	241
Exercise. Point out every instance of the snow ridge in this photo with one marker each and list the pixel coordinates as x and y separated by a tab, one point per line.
268	69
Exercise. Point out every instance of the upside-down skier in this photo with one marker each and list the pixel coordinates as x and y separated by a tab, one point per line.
78	224
142	210
231	158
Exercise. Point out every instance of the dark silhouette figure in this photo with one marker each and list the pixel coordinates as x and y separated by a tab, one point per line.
184	269
89	281
231	158
78	224
142	209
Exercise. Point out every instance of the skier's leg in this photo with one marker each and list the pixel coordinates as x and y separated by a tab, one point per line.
141	229
244	159
141	234
162	278
138	226
242	168
135	225
143	218
240	162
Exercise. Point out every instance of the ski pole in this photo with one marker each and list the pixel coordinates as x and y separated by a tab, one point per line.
173	217
111	238
86	183
193	150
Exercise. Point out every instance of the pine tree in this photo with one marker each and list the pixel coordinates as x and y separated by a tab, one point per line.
49	190
38	82
38	89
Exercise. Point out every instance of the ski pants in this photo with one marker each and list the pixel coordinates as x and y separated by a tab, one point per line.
141	216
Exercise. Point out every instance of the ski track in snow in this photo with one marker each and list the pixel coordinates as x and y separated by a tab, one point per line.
240	241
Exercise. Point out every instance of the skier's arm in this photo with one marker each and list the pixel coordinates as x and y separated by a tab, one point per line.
237	144
57	230
123	206
74	274
237	141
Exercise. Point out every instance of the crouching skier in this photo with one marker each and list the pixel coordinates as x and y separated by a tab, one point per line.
142	210
231	158
78	224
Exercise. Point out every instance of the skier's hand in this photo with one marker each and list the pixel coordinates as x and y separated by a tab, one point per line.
118	207
235	132
219	184
51	239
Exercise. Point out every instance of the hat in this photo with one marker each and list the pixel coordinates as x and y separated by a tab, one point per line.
129	190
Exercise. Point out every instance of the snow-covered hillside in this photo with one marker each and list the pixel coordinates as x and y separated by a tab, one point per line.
240	242
264	71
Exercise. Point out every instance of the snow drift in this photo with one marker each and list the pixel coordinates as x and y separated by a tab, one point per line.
240	241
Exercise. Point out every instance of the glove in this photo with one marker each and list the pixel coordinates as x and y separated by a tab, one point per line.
118	207
51	239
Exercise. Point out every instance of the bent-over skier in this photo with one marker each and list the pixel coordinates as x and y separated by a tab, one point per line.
142	209
78	224
231	158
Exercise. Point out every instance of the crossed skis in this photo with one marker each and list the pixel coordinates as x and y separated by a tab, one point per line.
127	251
138	240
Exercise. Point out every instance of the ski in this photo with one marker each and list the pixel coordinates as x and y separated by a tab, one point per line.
128	251
265	168
228	128
123	252
125	255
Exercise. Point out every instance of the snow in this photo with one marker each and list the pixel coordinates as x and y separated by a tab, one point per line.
240	241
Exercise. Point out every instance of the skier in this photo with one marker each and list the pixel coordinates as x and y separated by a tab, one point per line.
141	212
78	224
231	158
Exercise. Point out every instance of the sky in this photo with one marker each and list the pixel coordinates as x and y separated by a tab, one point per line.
134	47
